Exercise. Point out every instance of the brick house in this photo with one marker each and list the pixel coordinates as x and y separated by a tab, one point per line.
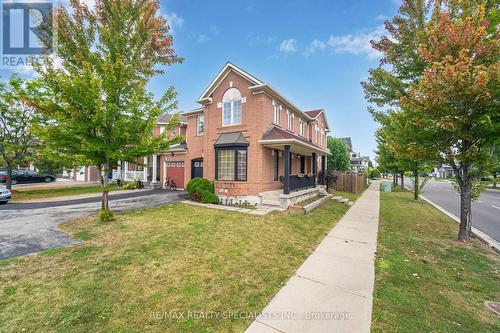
250	140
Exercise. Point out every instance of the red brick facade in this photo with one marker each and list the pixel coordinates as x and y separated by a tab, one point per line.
258	104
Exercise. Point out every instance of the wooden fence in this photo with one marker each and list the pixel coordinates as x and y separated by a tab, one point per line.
347	182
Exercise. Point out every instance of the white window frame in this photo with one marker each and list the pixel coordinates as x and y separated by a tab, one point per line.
289	119
202	117
302	127
277	111
230	100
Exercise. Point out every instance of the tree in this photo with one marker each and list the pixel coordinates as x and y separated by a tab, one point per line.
101	112
339	160
17	122
494	163
456	99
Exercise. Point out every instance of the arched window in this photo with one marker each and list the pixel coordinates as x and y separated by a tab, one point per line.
231	107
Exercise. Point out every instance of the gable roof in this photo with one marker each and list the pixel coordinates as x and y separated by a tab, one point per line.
232	139
258	86
348	142
228	67
165	118
313	113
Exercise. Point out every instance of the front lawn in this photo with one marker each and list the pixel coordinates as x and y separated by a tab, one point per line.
21	195
426	281
151	269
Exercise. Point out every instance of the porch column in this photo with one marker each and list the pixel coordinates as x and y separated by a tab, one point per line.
286	183
145	168
323	169
119	169
155	161
125	169
315	167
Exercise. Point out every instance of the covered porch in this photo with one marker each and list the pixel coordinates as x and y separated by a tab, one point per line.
299	161
145	169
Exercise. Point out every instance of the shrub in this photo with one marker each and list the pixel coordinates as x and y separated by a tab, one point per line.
196	186
132	185
105	215
208	197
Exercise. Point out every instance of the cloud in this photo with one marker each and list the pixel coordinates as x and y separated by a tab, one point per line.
316	45
357	44
255	39
213	30
381	18
288	46
202	38
174	20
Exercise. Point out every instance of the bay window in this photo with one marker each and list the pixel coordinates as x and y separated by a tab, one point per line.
231	164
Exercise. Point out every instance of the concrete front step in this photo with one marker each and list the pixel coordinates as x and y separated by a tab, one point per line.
271	202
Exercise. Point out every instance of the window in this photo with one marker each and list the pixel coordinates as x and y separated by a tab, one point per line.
200	125
277	110
289	120
231	164
231	107
302	127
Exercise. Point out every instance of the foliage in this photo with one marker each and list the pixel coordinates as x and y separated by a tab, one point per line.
105	215
208	197
421	184
455	103
373	173
18	120
132	185
199	187
339	160
101	112
477	187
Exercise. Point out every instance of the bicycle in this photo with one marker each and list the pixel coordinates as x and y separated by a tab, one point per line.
170	184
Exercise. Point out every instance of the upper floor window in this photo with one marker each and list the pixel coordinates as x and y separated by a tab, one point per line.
231	107
200	125
289	120
302	127
277	110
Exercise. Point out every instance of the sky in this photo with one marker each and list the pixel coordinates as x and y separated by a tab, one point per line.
315	53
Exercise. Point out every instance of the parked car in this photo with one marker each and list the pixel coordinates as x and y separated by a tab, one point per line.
19	176
5	195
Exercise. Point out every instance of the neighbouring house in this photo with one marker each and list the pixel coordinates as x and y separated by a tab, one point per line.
444	171
255	145
358	163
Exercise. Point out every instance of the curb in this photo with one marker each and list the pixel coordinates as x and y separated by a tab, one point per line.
476	232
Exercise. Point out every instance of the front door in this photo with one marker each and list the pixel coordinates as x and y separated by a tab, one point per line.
197	168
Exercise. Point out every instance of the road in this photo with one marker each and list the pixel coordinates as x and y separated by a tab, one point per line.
485	212
32	227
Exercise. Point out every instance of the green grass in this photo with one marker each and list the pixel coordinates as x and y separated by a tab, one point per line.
21	195
130	274
426	281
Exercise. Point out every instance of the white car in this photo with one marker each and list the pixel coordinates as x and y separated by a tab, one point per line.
5	195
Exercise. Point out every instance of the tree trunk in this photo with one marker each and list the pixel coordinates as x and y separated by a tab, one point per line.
495	179
465	184
105	191
416	187
8	181
402	180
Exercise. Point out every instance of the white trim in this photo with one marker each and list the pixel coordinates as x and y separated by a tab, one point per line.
192	112
220	77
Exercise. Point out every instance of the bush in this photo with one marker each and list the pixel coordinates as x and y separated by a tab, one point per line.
105	215
132	185
199	188
208	197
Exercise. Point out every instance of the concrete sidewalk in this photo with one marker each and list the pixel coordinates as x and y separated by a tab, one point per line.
332	290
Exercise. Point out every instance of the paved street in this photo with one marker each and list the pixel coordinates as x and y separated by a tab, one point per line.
485	212
32	227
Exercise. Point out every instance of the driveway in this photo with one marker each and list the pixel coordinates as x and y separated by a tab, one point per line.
32	227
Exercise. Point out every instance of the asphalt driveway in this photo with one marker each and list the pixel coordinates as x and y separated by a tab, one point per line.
32	227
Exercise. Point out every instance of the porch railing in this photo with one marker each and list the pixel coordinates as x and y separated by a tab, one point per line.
300	182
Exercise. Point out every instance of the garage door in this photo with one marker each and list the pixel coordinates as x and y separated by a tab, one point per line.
175	170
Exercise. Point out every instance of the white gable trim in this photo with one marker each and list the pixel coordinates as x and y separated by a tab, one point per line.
220	77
